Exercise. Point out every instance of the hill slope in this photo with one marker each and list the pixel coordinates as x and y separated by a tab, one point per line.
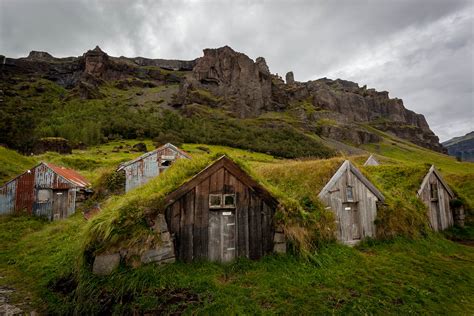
43	261
222	98
461	147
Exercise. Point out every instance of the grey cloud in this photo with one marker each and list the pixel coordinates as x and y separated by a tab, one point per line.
420	51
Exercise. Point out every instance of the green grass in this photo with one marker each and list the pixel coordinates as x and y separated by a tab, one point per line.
459	175
34	254
397	277
13	163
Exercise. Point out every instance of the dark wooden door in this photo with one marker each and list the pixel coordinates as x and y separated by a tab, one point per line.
222	243
59	204
437	211
352	221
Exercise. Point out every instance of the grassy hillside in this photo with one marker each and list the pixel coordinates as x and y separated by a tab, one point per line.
35	107
398	277
459	175
13	163
418	273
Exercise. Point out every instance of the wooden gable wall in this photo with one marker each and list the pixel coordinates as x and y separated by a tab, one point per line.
188	218
364	202
439	211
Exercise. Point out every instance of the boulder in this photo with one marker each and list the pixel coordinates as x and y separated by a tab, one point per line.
290	78
55	144
139	147
161	254
105	264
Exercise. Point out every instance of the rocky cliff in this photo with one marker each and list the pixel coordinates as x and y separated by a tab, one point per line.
249	89
225	79
461	147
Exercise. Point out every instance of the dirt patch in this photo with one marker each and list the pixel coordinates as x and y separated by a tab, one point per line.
469	243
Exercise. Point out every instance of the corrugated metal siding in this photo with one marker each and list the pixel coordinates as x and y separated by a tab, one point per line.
25	195
21	193
7	198
143	170
71	202
44	209
47	178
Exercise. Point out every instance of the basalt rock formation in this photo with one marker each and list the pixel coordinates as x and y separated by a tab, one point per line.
225	79
248	88
461	147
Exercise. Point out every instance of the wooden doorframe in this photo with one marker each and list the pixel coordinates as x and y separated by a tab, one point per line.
59	207
218	231
353	211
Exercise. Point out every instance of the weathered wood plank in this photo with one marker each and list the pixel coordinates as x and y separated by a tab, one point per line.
188	212
214	248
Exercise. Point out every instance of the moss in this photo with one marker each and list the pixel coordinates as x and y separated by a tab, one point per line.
123	221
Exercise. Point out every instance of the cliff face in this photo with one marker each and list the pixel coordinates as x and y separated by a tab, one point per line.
244	84
224	78
249	89
461	147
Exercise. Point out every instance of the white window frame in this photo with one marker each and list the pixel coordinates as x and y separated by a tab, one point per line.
215	205
222	201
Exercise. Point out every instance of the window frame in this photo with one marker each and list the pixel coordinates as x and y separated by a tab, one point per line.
222	198
224	205
214	206
350	189
434	197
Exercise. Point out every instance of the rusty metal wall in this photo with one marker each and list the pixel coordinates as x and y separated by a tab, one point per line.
7	198
25	196
21	193
143	170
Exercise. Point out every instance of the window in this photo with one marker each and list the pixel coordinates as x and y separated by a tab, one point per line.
215	200
349	194
166	163
43	196
229	200
434	191
221	200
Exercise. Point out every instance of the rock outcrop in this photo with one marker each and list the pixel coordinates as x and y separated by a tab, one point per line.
290	78
224	78
54	144
244	84
461	147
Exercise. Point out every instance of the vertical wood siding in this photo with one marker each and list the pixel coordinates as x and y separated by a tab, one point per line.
439	211
363	199
188	219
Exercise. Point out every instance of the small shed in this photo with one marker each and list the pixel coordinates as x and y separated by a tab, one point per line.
45	190
144	168
436	194
353	199
220	214
371	161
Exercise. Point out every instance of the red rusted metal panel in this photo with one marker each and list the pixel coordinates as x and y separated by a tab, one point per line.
25	193
70	175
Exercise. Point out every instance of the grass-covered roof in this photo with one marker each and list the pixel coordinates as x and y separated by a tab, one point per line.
124	220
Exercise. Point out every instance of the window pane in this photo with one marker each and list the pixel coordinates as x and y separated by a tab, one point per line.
434	190
215	200
349	194
229	200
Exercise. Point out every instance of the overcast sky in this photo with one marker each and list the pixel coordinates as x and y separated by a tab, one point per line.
419	50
